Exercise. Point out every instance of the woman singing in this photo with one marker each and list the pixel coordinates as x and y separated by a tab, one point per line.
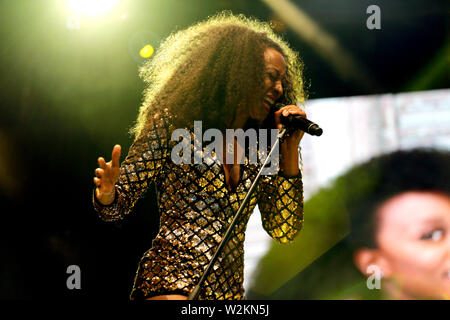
228	72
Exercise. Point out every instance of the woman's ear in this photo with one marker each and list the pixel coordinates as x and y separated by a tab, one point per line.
366	260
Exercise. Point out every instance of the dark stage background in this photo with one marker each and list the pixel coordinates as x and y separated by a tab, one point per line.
67	96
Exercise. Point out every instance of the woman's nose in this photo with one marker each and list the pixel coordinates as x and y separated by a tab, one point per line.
279	87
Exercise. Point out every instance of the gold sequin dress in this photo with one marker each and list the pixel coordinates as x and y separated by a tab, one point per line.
196	208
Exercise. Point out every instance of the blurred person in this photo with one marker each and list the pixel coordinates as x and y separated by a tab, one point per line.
403	228
381	230
228	72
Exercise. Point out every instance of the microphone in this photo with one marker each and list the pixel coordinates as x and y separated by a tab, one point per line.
298	122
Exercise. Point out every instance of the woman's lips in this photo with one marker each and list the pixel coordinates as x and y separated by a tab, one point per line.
269	101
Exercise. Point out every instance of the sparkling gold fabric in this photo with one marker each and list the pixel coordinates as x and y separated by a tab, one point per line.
196	208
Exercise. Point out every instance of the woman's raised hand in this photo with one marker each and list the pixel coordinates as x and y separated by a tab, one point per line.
106	177
294	138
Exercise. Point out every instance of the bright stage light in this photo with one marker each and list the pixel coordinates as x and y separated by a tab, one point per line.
146	52
91	7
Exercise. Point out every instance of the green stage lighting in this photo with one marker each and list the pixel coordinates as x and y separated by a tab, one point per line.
91	7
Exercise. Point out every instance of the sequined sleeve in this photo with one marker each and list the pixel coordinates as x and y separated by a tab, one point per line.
141	166
280	201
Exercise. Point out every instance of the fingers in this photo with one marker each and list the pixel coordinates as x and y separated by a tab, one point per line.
106	167
286	111
116	156
102	163
99	172
292	109
289	110
98	176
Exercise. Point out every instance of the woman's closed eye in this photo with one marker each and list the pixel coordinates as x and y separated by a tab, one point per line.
275	76
272	76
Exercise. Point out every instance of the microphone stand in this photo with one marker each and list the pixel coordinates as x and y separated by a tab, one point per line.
196	291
